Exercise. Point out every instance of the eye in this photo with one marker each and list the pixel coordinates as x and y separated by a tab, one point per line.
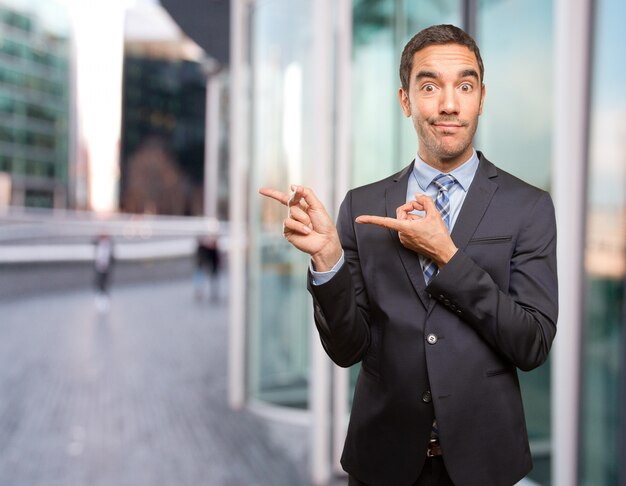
429	88
467	87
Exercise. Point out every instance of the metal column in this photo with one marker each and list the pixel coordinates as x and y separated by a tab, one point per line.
238	148
572	65
211	144
341	376
322	182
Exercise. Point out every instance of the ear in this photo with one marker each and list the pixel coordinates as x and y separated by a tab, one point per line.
405	103
483	92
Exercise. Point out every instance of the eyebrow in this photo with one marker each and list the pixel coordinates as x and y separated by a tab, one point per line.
469	73
465	73
426	74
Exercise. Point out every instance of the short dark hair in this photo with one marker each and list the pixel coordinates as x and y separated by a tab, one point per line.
436	35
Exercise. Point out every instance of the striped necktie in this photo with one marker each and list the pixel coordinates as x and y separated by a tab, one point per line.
442	203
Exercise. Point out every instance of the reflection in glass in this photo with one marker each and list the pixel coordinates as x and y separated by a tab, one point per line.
603	353
515	130
279	305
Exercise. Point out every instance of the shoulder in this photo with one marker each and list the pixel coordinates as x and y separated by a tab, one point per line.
381	186
372	198
511	186
518	201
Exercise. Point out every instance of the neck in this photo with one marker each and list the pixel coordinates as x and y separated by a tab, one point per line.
446	165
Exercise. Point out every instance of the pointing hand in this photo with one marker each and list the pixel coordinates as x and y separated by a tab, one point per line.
308	226
426	234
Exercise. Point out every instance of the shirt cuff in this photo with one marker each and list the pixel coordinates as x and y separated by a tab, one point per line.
320	278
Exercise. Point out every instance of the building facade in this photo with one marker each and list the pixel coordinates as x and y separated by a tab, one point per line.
173	156
314	101
35	102
163	129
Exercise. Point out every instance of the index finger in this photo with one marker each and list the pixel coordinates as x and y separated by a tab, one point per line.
306	193
279	196
390	223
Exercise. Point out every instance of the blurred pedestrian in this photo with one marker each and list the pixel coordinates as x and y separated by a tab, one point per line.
207	268
103	265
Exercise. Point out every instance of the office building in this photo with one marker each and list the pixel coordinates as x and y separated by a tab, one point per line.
162	158
35	102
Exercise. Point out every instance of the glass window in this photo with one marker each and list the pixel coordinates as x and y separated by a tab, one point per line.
17	20
39	199
374	91
5	163
605	261
515	130
282	153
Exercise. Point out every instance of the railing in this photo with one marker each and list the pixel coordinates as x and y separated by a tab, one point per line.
44	235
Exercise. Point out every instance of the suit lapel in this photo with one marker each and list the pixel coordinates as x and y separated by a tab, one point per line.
476	202
395	197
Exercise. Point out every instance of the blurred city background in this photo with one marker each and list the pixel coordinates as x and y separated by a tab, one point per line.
155	328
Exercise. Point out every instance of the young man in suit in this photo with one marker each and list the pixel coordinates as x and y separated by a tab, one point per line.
441	280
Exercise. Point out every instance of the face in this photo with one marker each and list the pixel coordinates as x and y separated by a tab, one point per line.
445	99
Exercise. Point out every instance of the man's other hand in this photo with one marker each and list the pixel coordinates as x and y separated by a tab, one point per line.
425	234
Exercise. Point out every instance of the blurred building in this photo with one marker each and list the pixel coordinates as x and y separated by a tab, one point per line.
164	115
163	127
35	103
314	94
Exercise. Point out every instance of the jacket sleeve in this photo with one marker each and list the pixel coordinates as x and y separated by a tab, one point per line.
519	322
340	306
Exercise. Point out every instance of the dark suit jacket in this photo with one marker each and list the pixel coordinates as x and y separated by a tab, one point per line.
452	347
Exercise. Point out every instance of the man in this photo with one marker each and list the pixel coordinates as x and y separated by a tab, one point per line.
441	281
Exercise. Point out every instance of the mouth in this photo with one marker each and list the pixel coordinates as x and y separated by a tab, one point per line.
444	123
447	128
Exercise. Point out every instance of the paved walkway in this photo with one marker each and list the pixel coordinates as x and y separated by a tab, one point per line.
135	398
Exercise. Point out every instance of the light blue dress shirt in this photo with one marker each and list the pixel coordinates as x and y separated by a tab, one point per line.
421	181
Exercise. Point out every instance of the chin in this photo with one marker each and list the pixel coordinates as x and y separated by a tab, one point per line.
451	153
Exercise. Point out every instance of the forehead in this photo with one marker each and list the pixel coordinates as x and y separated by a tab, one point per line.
444	59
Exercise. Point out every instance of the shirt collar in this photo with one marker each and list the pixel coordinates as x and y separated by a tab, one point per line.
464	174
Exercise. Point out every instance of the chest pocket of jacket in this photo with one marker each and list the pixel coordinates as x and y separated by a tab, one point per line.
493	254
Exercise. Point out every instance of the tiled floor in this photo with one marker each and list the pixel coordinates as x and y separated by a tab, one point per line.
131	398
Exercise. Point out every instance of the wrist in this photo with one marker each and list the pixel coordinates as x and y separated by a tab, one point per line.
445	256
326	259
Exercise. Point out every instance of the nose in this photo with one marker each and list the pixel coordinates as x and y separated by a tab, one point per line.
449	103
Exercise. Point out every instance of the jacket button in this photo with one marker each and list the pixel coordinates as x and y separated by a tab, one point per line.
427	396
431	338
